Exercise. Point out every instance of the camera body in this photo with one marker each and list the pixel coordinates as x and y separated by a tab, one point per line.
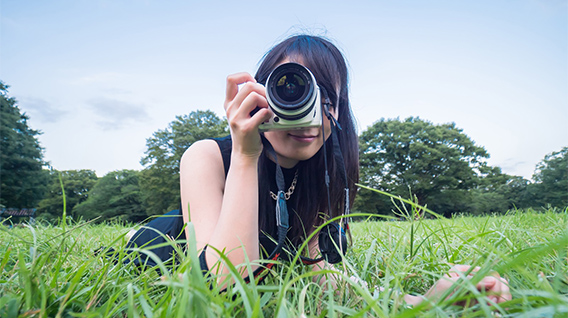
294	97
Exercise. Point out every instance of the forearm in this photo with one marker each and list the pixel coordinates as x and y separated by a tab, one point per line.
323	279
236	232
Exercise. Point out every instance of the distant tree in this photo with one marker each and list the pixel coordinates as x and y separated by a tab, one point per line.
495	193
160	178
114	196
492	178
22	181
485	202
551	179
371	202
516	192
436	163
77	184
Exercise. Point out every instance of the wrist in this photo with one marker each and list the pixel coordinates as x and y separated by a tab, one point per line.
243	160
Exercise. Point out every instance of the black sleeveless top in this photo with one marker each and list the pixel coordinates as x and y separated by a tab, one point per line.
152	235
267	236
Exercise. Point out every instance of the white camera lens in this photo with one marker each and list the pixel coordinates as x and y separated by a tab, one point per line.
291	91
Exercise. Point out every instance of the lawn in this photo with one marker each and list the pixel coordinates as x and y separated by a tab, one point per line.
52	271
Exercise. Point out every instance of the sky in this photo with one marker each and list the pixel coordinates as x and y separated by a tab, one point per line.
99	77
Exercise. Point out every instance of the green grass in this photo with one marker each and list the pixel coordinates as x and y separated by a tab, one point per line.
51	271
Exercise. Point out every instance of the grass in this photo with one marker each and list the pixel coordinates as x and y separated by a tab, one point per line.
51	271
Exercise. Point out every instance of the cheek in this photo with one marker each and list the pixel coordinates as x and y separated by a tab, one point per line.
273	135
276	138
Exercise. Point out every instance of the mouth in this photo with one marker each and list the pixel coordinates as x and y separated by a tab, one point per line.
300	137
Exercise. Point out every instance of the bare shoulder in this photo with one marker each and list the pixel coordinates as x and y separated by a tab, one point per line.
204	158
202	183
206	147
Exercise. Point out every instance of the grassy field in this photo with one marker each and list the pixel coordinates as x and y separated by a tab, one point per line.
51	271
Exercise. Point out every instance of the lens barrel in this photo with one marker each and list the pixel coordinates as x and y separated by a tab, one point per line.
291	91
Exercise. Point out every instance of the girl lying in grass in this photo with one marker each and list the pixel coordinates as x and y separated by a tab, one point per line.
292	148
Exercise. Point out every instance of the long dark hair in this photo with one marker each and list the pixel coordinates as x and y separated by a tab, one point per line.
328	65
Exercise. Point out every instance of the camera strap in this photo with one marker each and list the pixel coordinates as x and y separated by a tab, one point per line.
332	239
282	217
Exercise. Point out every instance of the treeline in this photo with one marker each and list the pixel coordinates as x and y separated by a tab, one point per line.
436	165
128	195
442	168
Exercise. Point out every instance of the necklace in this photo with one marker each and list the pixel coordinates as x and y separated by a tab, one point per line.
290	189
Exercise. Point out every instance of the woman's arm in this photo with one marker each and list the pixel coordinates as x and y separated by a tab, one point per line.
496	286
314	253
202	181
225	210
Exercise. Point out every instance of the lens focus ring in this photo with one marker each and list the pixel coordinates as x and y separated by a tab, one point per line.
291	91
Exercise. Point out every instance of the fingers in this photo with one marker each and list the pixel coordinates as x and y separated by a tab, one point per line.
241	116
243	95
487	283
251	96
264	114
233	82
496	287
505	292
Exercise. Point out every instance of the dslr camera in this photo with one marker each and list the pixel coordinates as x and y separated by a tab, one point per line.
294	97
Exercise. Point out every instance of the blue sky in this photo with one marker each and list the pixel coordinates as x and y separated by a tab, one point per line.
99	77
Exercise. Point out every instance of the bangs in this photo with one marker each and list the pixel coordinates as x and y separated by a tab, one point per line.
320	56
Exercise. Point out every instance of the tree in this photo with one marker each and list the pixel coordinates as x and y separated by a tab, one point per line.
516	192
114	196
77	184
499	192
551	179
160	178
22	181
436	163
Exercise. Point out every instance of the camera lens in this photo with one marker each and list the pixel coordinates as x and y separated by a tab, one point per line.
291	90
290	87
293	96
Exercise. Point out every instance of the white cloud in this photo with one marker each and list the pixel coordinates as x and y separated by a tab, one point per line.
115	114
41	110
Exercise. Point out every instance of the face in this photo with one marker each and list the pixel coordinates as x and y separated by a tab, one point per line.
292	146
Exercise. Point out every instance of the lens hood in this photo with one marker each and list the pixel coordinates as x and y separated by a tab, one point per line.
290	86
291	91
294	98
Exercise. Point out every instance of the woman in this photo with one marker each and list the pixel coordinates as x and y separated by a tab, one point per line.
228	185
230	210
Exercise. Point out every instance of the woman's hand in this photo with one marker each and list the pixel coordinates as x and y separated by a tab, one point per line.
239	103
496	287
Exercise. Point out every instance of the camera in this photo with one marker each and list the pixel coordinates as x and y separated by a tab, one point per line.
294	97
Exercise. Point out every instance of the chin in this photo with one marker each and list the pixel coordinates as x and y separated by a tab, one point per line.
305	153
